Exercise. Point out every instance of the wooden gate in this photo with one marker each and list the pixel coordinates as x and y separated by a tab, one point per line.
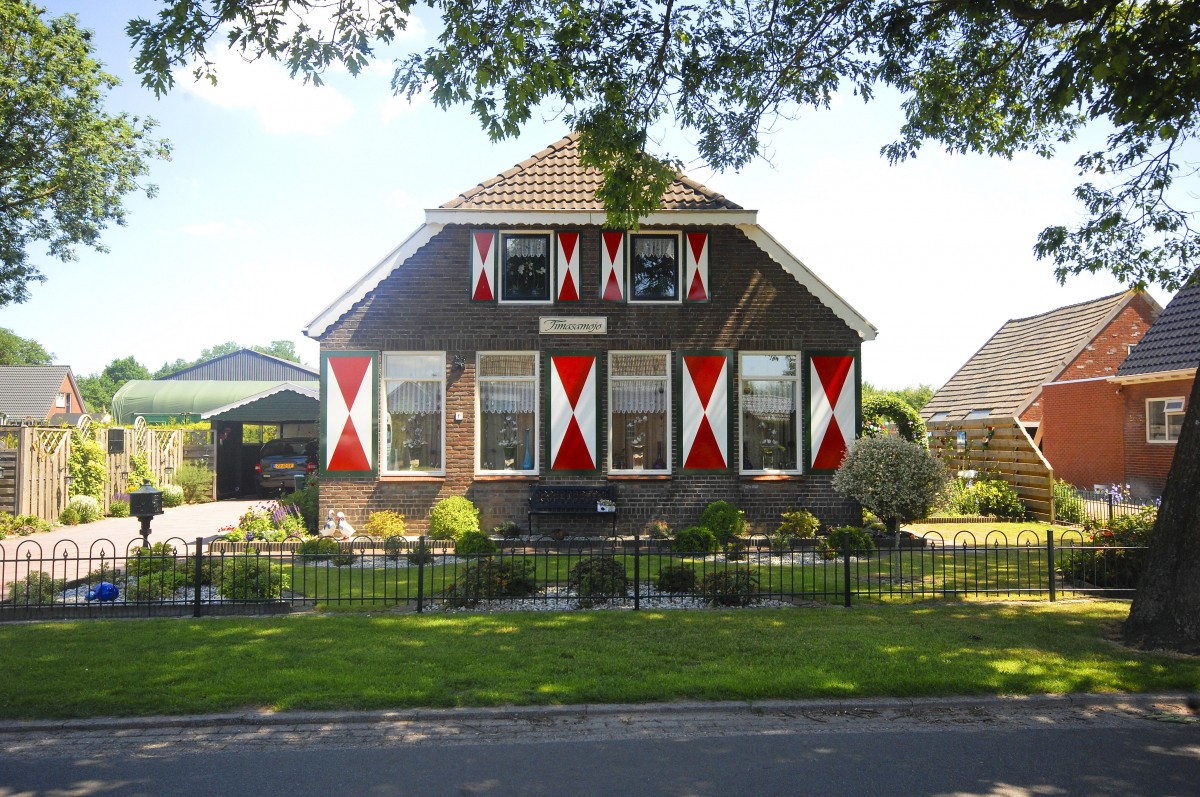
1000	446
42	471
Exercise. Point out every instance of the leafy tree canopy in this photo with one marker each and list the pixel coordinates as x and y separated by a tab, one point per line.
98	389
977	76
16	350
65	163
283	349
915	397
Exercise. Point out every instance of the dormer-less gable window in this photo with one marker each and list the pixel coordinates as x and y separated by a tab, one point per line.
654	272
525	267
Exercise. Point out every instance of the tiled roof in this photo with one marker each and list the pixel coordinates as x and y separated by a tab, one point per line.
1022	356
554	179
29	390
1173	341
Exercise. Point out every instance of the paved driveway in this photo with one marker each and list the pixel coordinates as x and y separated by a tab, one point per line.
183	522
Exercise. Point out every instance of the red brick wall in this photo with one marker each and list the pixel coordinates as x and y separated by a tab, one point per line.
1147	464
424	306
1105	353
1083	432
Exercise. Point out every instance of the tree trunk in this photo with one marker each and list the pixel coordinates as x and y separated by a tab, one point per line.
1166	610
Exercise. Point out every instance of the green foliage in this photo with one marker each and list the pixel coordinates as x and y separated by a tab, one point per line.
156	558
474	543
16	350
196	481
87	465
36	589
1068	506
283	349
139	472
508	530
251	578
695	539
983	496
596	579
862	543
344	558
883	407
451	517
87	508
69	516
318	549
1109	562
172	496
65	163
897	480
306	505
799	523
21	525
256	520
418	556
98	389
657	530
915	397
736	587
492	579
724	520
676	579
118	508
384	524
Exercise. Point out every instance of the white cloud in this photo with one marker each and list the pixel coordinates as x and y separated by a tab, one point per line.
281	104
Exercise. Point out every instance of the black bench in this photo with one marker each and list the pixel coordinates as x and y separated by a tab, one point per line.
555	499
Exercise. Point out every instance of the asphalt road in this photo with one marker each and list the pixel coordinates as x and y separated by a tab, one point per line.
1086	745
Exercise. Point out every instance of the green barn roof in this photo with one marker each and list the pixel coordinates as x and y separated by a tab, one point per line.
162	400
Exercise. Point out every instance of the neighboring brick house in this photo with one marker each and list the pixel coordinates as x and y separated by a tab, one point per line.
1002	387
513	340
41	392
1122	428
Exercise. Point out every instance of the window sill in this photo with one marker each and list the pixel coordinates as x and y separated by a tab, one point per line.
771	477
506	477
397	478
651	477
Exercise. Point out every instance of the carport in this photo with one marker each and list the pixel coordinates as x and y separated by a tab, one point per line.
242	414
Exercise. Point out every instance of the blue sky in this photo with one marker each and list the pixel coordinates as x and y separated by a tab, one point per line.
279	195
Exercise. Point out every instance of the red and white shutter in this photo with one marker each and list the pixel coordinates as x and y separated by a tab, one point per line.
697	267
705	411
483	265
612	266
349	411
568	267
833	408
573	411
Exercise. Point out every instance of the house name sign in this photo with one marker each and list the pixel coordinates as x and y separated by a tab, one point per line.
573	325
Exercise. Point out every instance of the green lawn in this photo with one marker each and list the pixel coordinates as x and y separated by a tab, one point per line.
390	660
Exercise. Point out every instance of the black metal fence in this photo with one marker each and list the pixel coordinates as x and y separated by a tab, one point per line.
198	578
1101	506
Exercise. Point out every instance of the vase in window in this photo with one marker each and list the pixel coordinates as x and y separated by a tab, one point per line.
527	463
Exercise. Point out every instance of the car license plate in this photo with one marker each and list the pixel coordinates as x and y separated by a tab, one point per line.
284	465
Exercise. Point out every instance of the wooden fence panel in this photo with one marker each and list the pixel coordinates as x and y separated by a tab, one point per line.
8	471
42	473
1002	447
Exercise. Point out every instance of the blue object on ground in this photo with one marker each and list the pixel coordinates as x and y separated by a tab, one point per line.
103	591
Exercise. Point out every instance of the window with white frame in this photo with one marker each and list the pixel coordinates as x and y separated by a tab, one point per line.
1164	419
414	390
507	420
654	267
770	428
639	406
525	267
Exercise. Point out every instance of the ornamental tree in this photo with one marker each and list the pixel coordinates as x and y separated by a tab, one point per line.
975	76
896	479
65	163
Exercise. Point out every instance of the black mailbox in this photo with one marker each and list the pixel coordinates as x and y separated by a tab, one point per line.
144	503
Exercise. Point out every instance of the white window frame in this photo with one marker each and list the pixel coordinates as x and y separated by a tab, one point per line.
680	265
386	417
612	379
1166	439
537	412
500	270
60	401
797	382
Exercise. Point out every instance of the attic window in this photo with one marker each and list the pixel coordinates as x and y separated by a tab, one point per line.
938	416
975	415
654	268
525	270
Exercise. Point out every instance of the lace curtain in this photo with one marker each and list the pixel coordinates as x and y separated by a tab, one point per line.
510	398
769	400
641	395
414	398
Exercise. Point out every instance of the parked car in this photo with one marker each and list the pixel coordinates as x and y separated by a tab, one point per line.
281	461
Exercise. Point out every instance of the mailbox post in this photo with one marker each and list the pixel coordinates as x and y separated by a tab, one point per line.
144	503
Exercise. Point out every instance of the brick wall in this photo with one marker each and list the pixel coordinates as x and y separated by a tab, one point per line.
1147	464
424	306
1083	432
1105	352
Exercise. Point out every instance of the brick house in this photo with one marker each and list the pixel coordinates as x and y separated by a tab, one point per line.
512	339
1121	428
41	392
1003	389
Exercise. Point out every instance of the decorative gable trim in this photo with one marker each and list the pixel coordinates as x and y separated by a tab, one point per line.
359	290
809	280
